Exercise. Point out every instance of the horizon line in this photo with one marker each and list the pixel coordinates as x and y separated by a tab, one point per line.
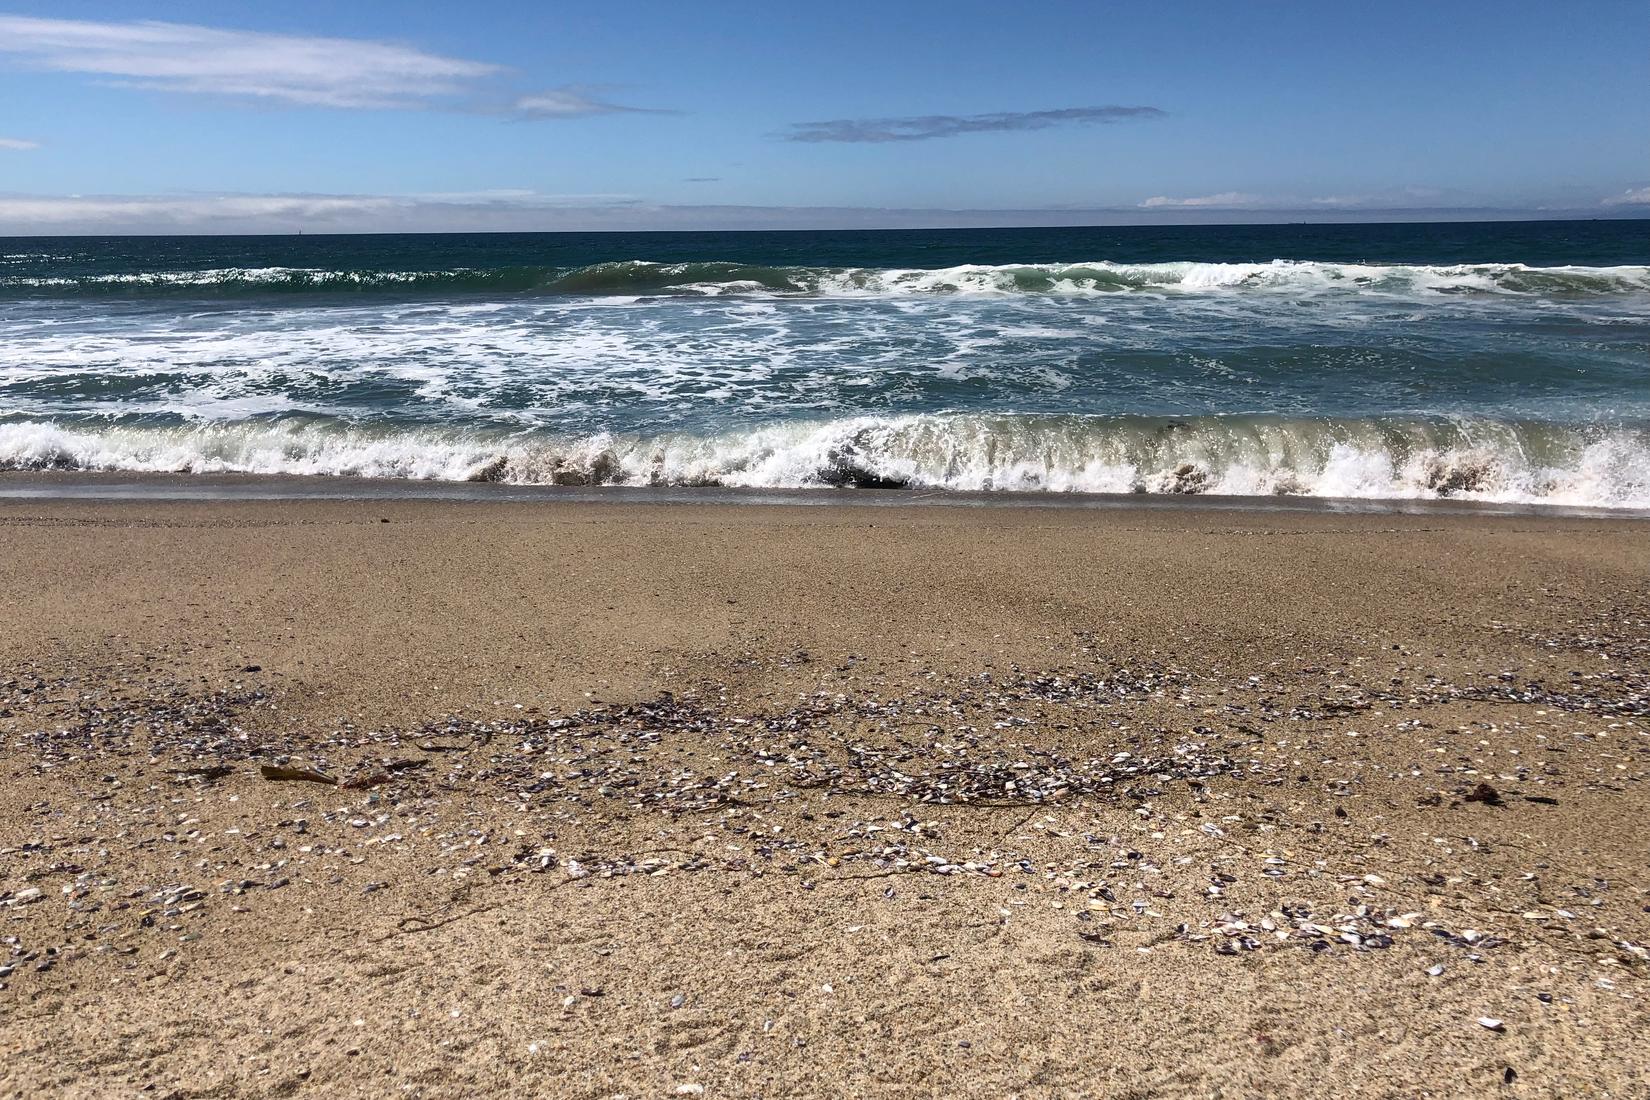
1471	216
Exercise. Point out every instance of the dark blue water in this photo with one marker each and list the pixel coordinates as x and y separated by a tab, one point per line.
1602	243
1503	361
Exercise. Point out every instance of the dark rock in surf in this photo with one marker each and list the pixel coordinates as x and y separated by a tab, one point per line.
1188	479
492	472
1445	478
604	469
845	469
570	476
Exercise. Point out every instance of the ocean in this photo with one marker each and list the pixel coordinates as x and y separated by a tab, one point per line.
1503	362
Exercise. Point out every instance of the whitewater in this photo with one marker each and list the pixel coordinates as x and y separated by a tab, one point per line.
1350	374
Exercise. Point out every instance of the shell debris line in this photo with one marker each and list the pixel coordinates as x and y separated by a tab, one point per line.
1151	807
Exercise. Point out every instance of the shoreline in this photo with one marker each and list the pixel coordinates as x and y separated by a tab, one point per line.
427	797
93	486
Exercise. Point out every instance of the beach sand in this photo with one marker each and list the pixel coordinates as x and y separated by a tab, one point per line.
665	800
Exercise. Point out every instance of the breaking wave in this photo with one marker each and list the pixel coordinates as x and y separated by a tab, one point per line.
1536	462
642	277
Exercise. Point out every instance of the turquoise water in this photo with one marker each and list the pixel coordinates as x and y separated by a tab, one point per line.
1506	361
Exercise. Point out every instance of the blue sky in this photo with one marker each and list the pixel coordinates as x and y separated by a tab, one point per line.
508	115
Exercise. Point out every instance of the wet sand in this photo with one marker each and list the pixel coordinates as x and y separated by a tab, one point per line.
406	797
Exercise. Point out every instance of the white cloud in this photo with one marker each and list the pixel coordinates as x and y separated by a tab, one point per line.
1638	196
188	213
1225	198
33	212
18	143
293	69
1393	198
572	102
530	211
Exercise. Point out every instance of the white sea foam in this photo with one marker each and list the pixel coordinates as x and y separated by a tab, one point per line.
644	277
1469	460
738	375
1103	277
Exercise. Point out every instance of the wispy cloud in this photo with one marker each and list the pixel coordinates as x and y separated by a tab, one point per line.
1399	198
287	69
177	57
1225	198
572	101
18	143
1390	198
927	127
241	213
500	198
525	210
1638	196
200	213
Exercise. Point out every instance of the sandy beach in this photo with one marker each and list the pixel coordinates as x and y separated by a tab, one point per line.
426	798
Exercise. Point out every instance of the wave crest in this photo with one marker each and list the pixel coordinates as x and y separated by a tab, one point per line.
644	277
1392	458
